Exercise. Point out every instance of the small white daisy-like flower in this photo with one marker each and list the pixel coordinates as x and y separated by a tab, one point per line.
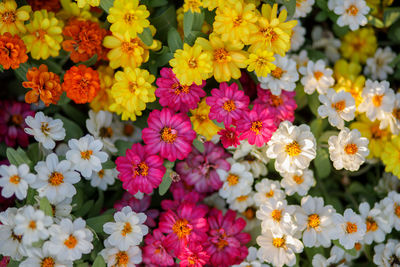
392	119
15	180
251	260
100	125
32	225
297	39
316	77
278	248
241	203
320	261
342	258
324	39
283	77
86	155
351	13
62	209
351	228
44	258
390	206
45	130
293	147
316	221
378	98
55	179
388	182
11	243
338	107
276	214
116	257
377	225
266	190
348	150
378	66
298	182
387	254
69	240
236	182
127	131
301	58
127	230
103	178
303	8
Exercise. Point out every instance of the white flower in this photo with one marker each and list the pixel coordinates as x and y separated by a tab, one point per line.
298	182
388	182
44	258
392	119
127	230
390	206
215	200
15	180
283	77
85	155
378	98
348	150
115	257
11	243
251	260
62	209
351	228
342	258
338	107
378	66
45	130
316	77
101	127
103	178
32	225
236	182
276	215
278	248
316	221
55	179
266	190
320	261
293	147
351	13
387	254
69	240
301	58
241	203
303	8
298	33
377	226
325	39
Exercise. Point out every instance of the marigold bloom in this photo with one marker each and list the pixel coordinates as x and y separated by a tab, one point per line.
81	84
83	38
201	121
192	5
390	156
44	84
12	19
359	45
44	35
260	62
49	5
103	99
12	51
128	16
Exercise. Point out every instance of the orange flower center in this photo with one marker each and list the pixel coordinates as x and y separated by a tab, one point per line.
278	242
86	154
352	10
313	221
232	179
293	149
15	179
339	106
180	89
132	87
351	227
168	135
101	174
242	198
122	258
377	100
201	118
129	18
70	242
16	119
32	225
276	100
371	224
269	34
357	246
277	73
193	259
256	127
229	105
377	133
47	262
106	132
270	193
56	178
298	179
192	63
397	210
40	34
8	17
181	228
276	215
237	21
249	213
127	229
318	75
221	55
129	47
142	169
351	149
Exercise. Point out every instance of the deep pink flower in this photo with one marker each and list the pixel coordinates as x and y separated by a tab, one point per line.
200	169
227	103
186	224
257	126
176	96
169	134
155	251
193	256
140	170
226	242
182	193
12	123
229	137
4	261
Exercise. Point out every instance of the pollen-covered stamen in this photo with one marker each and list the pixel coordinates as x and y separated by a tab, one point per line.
313	221
86	154
293	149
276	215
221	55
122	258
351	149
15	179
181	228
351	227
232	179
70	242
141	169
56	178
352	10
298	179
229	105
339	106
371	224
256	127
279	242
277	73
318	75
168	134
127	229
377	100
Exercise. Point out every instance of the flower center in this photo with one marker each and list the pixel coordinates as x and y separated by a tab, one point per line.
229	105
47	262
40	34
141	169
269	34
351	227
70	242
293	149
128	130
16	119
377	133
318	75
122	258
8	17
232	179
221	55
371	224
86	154
298	179
397	210
192	63
181	228
32	225
106	132
278	242
237	21
351	149
256	127
377	100
352	10
270	193
276	100
129	47
249	213
132	87
339	106
396	113
101	174
313	221
15	179
127	229
357	246
168	135
129	18
45	128
277	73
276	215
180	89
56	178
242	198
193	259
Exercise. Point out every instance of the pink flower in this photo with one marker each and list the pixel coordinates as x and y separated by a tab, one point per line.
193	256
12	123
176	96
257	126
155	251
229	137
169	134
187	224
182	193
140	170
226	243
200	169
227	103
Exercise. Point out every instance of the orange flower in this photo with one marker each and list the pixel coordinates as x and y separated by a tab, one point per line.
12	51
84	38
81	84
49	5
44	84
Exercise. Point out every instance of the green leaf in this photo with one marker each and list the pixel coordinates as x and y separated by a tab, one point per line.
45	206
109	164
395	61
34	153
313	103
83	210
300	97
209	16
391	15
375	21
352	252
317	126
174	40
340	31
22	70
322	163
72	130
74	113
122	146
96	223
290	7
13	263
17	157
164	19
90	62
97	205
356	187
192	22
321	16
163	56
63	99
325	136
199	145
157	3
1	68
99	262
106	4
192	36
146	36
30	197
166	182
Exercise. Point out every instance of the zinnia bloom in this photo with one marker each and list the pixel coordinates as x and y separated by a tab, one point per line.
229	137
155	251
81	84
44	84
12	19
169	134
193	256
227	103
12	51
103	99
140	170
175	95
260	62
390	156
201	121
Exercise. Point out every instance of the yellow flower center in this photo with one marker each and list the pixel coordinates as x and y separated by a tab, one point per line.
70	242
351	149
106	132
276	215
129	47
339	106
313	221
192	63
179	89
122	258
351	227
8	17
15	179
318	75
278	242
270	193
86	154
256	127
132	87
142	169
101	174
181	228
377	100
47	262
277	73
32	225
129	18
276	100
293	149
371	224
269	34
229	105
298	179
232	179
237	21
56	178
221	55
127	229
242	198
352	10
168	135
44	128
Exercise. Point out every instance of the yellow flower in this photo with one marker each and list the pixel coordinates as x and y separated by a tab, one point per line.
12	19
212	4
128	16
235	20
227	57
260	62
391	155
192	5
377	137
71	10
273	32
202	123
378	6
84	3
191	65
359	45
103	99
346	69
131	91
44	35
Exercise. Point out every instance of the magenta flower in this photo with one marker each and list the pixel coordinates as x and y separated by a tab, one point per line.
193	256
226	242
12	123
227	103
200	169
229	137
140	170
155	251
176	96
182	193
257	126
169	134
